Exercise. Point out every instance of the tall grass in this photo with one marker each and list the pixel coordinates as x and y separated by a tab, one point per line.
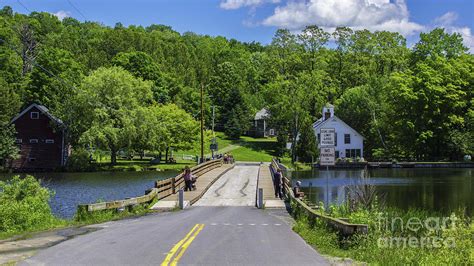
395	236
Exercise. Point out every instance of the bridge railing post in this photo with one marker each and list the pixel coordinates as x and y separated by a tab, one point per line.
173	187
181	198
260	198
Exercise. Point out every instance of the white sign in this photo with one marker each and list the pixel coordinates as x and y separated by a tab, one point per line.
327	156
328	137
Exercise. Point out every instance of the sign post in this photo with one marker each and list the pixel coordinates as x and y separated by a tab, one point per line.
327	155
213	147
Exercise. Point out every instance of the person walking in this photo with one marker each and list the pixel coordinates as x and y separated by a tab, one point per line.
277	182
188	179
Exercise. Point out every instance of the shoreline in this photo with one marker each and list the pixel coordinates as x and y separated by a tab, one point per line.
375	165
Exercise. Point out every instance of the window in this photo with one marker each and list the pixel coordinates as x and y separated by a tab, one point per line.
353	153
19	141
34	115
319	137
33	140
347	138
337	154
49	141
272	132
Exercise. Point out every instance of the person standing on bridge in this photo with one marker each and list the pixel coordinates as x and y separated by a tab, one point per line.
277	181
188	179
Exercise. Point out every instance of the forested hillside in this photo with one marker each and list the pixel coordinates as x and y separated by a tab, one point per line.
139	87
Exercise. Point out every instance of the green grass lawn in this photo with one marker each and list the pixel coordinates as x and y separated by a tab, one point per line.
243	149
140	165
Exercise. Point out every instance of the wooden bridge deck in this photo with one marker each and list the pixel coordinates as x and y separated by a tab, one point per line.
266	183
203	183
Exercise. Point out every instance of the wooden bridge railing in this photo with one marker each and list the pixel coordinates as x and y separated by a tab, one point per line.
162	189
172	185
343	227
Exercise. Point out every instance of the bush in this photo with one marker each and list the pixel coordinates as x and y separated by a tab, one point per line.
24	206
79	161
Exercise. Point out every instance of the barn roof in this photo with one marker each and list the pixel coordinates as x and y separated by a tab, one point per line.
42	109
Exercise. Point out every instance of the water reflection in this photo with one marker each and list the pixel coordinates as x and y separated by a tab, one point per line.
72	189
442	190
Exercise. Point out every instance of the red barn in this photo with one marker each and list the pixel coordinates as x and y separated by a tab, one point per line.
40	137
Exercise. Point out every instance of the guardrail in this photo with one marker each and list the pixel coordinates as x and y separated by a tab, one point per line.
170	186
162	189
343	227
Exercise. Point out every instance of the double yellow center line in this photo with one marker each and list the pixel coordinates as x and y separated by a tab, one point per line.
178	250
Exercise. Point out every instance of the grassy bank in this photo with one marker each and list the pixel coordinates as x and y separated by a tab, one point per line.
395	237
243	149
143	165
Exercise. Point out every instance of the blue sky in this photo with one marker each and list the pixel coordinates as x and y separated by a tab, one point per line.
257	20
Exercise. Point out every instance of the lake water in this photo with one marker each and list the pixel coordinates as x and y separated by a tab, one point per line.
72	189
441	190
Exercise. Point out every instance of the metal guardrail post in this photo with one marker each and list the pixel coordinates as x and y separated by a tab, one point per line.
181	199
260	198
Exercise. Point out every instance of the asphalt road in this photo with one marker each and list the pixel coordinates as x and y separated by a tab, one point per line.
199	235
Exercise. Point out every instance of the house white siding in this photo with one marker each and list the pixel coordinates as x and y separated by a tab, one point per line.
353	149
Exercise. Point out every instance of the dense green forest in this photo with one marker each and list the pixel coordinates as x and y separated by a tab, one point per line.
138	88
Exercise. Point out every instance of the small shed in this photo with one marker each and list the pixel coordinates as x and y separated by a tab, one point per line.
260	127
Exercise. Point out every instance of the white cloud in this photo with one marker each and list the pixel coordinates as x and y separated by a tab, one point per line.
447	19
235	4
357	14
467	36
61	14
447	22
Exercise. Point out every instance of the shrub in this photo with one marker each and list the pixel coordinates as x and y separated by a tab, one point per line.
79	161
24	206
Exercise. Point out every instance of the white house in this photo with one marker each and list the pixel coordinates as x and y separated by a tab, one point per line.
349	143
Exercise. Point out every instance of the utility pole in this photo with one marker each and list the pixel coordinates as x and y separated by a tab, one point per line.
213	115
213	134
202	123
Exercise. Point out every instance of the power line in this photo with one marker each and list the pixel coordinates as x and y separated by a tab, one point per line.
77	9
19	2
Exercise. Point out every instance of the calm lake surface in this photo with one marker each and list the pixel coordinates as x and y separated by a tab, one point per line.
441	190
72	189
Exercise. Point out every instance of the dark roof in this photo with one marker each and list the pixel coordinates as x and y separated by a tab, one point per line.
42	109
